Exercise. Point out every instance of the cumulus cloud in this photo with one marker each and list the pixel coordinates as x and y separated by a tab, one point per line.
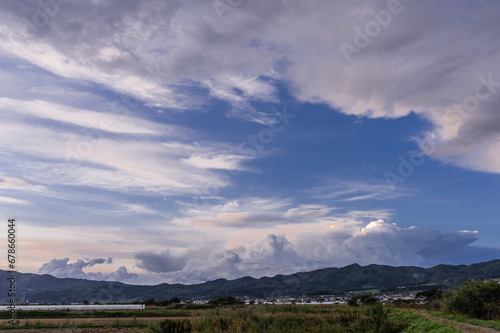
220	264
272	254
433	59
121	274
93	262
377	242
62	268
387	243
159	262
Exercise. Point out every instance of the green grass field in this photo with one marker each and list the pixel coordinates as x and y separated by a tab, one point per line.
255	318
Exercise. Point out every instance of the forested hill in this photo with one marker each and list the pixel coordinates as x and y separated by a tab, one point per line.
48	289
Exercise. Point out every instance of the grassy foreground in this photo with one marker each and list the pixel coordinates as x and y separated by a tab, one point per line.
257	318
304	318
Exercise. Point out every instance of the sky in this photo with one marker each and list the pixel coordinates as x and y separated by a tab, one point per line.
186	141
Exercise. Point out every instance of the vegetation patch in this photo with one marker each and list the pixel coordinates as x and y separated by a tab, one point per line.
419	324
476	299
463	319
292	318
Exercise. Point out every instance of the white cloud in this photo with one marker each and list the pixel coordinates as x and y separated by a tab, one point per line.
430	59
61	268
248	212
251	89
268	214
51	157
13	183
387	243
221	264
308	212
14	201
138	209
269	256
210	161
101	121
121	274
347	191
159	262
411	61
377	242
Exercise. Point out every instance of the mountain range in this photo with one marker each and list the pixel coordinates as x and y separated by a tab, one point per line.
34	288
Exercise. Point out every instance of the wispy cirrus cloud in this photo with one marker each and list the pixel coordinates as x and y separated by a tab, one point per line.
125	56
102	121
13	183
74	156
348	191
14	201
257	212
107	112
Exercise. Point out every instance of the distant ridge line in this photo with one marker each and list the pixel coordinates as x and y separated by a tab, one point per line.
326	281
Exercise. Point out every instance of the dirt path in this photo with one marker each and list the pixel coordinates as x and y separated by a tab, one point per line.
467	328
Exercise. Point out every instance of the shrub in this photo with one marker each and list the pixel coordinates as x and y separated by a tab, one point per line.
362	299
229	300
149	301
174	300
433	298
476	299
172	326
430	294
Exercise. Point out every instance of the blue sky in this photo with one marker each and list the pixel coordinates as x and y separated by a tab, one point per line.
181	141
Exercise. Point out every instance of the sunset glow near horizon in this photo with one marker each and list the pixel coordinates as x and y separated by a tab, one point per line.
186	141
